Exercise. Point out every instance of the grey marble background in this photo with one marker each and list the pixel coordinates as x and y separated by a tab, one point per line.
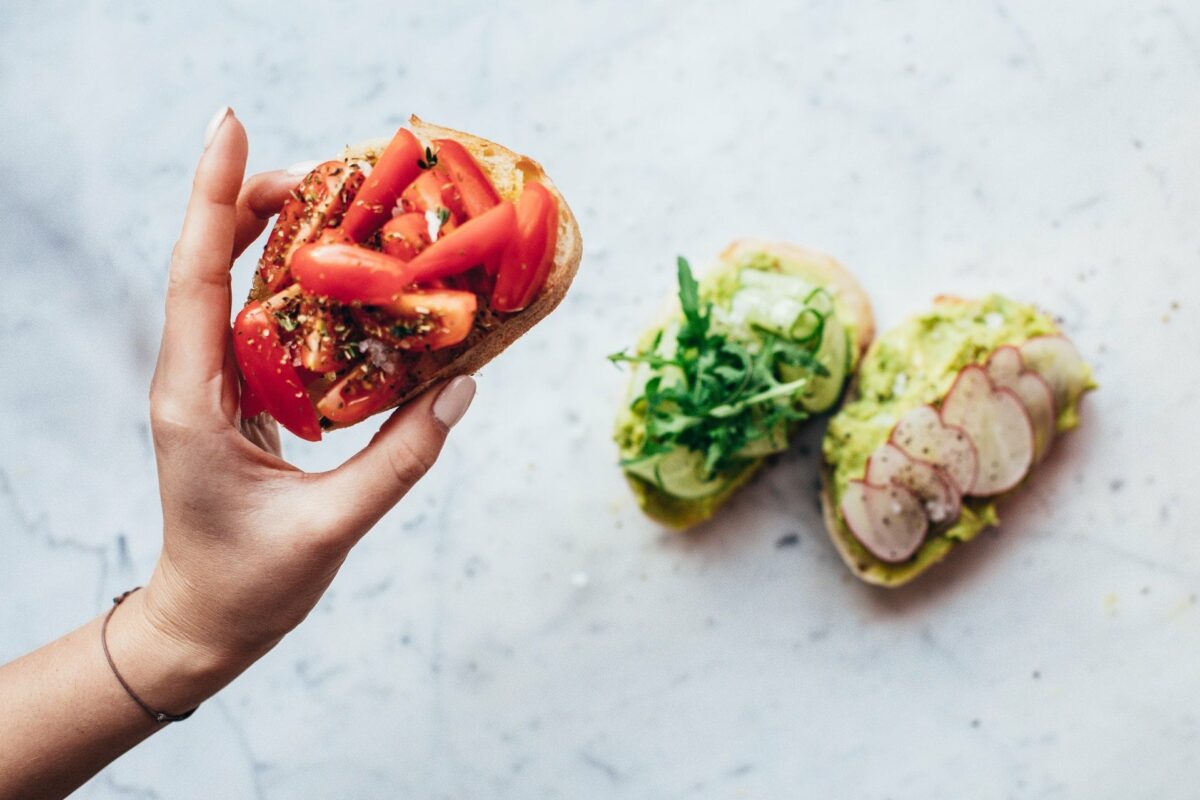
515	629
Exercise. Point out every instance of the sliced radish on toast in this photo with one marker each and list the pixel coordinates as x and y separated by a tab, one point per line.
1007	370
997	423
1057	360
1004	364
923	435
938	494
888	520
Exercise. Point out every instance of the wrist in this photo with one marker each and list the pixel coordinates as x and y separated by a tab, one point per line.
168	672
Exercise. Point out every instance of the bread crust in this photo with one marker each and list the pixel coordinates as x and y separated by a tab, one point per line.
853	303
508	171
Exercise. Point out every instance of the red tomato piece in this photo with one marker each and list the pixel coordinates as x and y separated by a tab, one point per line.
333	236
351	274
391	175
477	241
424	320
431	191
405	236
266	366
528	260
251	404
318	202
361	392
324	340
476	191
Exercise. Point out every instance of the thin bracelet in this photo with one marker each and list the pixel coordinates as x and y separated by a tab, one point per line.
157	716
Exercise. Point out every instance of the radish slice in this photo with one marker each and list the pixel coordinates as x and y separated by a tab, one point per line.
923	435
997	423
1057	360
888	520
1006	369
938	495
1005	364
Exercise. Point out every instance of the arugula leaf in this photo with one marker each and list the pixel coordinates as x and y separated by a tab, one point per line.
715	395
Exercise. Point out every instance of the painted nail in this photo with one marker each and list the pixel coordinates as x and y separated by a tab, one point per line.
214	124
302	167
454	400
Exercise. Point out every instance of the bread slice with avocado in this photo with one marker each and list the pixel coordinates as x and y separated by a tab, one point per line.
764	340
950	412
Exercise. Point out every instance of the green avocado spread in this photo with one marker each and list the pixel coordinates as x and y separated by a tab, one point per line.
912	365
754	320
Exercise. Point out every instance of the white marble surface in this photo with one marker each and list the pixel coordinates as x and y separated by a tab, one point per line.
515	629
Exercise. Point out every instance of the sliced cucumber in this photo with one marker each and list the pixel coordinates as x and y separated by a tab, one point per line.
834	354
679	473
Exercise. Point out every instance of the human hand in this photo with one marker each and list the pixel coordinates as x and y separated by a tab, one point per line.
250	542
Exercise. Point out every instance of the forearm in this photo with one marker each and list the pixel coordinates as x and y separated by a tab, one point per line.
64	716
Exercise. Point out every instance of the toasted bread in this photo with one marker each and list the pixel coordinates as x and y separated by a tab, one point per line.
935	548
853	309
494	332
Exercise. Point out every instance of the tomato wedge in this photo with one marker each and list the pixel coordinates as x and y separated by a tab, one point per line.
474	188
393	172
528	260
324	337
477	241
405	236
351	274
319	201
266	367
431	191
251	405
424	320
361	392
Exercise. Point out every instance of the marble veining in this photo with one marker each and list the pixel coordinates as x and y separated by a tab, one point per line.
515	629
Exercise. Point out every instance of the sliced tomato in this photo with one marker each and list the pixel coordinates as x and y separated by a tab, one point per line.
476	191
266	366
251	404
528	260
318	202
333	236
431	191
391	175
424	320
361	392
351	274
477	241
405	236
325	336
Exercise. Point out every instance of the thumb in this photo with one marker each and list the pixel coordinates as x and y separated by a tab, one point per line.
399	455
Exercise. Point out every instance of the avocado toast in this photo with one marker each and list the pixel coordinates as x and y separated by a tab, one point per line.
766	339
949	412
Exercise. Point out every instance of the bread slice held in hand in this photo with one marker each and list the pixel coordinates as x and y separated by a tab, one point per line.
764	340
950	412
398	265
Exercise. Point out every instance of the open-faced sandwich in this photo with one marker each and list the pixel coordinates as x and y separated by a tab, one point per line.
950	411
397	265
763	341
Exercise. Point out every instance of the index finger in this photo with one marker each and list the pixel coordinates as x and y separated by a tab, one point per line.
198	293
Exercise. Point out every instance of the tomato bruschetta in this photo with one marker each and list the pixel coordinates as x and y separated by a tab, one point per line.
400	264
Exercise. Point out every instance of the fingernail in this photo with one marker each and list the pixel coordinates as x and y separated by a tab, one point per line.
454	400
214	124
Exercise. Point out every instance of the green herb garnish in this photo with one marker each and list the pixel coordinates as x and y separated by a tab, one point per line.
443	215
287	320
429	161
714	395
